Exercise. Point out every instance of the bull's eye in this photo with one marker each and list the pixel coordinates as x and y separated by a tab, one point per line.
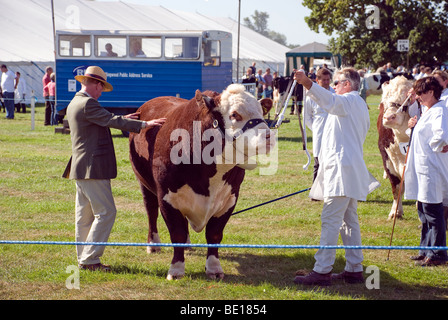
235	116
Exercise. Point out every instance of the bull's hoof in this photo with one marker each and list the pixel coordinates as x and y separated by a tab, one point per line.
153	249
215	276
391	216
177	271
171	277
213	268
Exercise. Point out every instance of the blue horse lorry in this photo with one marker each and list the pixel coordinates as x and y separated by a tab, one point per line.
142	65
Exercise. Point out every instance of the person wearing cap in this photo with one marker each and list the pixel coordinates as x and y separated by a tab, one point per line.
93	163
342	179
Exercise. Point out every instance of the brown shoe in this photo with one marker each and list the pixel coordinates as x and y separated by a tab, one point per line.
95	267
417	258
428	262
314	278
349	277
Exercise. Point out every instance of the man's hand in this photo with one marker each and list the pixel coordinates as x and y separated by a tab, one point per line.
301	78
154	123
134	116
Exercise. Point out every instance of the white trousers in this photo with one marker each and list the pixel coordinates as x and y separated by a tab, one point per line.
339	216
95	216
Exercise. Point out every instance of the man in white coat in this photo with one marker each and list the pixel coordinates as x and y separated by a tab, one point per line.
343	178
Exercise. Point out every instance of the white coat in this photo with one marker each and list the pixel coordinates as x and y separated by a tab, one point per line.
315	118
342	170
426	174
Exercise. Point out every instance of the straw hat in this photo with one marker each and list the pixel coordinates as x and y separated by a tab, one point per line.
96	73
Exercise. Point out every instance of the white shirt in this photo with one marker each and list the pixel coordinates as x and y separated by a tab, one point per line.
426	174
315	117
20	91
7	82
342	170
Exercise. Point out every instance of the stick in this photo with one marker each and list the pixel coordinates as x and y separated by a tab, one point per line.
401	181
282	114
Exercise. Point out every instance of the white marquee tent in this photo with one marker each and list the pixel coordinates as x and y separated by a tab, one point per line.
27	46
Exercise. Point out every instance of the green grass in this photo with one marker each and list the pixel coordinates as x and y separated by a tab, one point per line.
37	204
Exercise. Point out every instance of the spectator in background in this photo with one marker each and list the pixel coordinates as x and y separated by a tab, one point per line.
312	74
268	83
363	87
260	84
428	72
442	78
19	93
46	80
254	70
110	52
249	77
415	73
7	84
51	88
389	68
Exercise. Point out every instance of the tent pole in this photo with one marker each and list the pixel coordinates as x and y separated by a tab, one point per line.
238	46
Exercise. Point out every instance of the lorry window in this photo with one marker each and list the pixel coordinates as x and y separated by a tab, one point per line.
74	46
145	47
182	48
112	47
212	53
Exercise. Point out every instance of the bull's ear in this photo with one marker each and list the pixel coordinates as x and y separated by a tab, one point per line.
266	104
204	101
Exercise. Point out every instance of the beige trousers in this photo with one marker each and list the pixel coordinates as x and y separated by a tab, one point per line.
339	217
95	215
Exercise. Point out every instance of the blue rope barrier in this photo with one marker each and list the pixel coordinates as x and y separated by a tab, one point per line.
199	245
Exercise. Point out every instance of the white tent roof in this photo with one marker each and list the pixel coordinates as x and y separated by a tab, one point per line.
27	33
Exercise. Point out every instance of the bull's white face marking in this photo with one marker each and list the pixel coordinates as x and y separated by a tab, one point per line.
238	107
395	120
394	94
198	209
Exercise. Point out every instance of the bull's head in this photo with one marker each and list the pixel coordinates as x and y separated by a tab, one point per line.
244	128
394	94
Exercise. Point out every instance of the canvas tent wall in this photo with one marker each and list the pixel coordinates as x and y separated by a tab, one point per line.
307	54
27	31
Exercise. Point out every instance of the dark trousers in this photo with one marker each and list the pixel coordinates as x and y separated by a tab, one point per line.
433	229
9	104
47	111
20	106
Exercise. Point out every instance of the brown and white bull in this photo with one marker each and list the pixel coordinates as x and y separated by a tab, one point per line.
191	167
392	136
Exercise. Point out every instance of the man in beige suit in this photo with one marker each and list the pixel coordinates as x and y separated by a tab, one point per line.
93	163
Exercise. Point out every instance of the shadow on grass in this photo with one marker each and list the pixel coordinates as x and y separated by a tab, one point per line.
279	270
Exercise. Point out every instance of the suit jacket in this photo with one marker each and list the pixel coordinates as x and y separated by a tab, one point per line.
93	153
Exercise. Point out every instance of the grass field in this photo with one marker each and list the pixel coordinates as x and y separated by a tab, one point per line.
37	204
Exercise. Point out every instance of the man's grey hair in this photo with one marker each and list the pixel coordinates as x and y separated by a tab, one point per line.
351	75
